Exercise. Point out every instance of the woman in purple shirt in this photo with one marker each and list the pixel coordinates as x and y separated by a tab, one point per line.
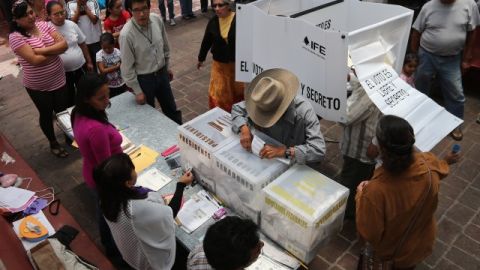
97	140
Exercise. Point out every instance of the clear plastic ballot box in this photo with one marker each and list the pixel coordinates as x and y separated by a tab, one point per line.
240	177
200	138
302	209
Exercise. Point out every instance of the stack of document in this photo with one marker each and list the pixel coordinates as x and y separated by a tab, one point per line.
196	211
13	199
153	179
143	157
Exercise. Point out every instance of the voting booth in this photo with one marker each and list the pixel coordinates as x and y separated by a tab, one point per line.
312	38
302	209
200	138
240	177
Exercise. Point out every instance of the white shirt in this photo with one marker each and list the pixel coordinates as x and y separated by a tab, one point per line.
72	58
92	31
114	78
147	239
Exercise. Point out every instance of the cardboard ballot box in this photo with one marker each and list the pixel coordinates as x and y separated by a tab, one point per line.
312	39
240	177
200	138
302	208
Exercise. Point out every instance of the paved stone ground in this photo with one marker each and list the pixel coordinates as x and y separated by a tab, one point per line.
458	214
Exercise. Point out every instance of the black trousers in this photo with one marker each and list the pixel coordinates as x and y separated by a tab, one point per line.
204	5
92	50
115	91
72	80
157	85
47	103
353	173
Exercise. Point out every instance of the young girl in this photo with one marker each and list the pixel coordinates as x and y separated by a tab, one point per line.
108	63
117	17
409	66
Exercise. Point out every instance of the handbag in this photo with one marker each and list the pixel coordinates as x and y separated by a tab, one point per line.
368	260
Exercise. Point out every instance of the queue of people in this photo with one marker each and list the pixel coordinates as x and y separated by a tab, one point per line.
134	53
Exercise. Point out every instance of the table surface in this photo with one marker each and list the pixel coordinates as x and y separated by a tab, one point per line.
143	124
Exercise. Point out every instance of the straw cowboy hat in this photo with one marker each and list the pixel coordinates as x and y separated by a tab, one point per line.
269	95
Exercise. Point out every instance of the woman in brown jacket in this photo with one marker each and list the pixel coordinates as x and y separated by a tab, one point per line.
402	191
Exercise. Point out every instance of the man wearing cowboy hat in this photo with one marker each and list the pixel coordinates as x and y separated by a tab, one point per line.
272	106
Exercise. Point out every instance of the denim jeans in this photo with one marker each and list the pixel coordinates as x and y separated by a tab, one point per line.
161	6
157	85
186	6
448	72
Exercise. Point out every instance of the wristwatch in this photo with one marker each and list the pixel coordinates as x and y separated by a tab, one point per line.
288	154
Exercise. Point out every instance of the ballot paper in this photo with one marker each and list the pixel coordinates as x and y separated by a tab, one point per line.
196	211
43	219
258	144
265	263
153	179
279	256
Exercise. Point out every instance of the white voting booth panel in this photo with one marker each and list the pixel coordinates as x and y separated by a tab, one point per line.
240	176
302	209
200	138
312	39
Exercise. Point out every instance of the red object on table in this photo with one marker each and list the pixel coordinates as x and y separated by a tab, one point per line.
12	253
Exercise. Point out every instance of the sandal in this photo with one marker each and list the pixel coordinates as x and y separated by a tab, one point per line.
59	151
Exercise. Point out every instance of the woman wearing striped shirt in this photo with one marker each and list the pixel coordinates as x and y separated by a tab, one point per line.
38	45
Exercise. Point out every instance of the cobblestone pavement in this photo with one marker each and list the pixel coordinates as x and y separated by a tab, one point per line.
458	214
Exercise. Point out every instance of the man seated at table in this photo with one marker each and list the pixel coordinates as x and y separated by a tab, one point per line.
272	106
230	244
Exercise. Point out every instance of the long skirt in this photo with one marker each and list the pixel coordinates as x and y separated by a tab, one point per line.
224	91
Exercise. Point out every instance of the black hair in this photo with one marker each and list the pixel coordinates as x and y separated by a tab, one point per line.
110	4
87	87
138	1
110	177
19	11
50	5
107	38
396	139
410	57
228	243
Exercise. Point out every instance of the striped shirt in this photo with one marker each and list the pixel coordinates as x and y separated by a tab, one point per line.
197	259
48	77
359	129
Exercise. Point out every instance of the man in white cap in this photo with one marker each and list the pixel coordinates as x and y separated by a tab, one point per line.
272	106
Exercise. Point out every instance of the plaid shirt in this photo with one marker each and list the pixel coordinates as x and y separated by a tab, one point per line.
197	259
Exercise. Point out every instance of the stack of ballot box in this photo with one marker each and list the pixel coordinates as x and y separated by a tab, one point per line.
200	138
240	177
302	210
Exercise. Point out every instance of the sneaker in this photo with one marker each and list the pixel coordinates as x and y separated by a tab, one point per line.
192	16
172	22
186	18
457	134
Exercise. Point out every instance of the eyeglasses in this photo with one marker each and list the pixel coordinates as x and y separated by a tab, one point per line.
143	10
219	5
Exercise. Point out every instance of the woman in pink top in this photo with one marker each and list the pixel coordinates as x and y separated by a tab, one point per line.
38	46
97	140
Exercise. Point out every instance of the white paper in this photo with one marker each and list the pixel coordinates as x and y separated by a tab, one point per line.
279	256
196	211
430	121
13	197
43	219
153	179
265	263
258	144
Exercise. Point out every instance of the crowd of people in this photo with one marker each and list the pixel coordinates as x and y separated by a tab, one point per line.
69	59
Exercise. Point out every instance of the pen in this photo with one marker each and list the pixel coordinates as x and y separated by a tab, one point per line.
211	200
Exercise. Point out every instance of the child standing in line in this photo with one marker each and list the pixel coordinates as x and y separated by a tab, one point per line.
116	18
409	66
108	63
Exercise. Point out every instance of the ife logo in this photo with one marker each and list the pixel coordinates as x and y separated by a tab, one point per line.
314	47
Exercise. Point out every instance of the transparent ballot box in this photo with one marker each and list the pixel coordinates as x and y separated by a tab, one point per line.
302	209
200	138
240	177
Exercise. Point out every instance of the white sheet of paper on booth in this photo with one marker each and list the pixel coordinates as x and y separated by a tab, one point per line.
392	95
